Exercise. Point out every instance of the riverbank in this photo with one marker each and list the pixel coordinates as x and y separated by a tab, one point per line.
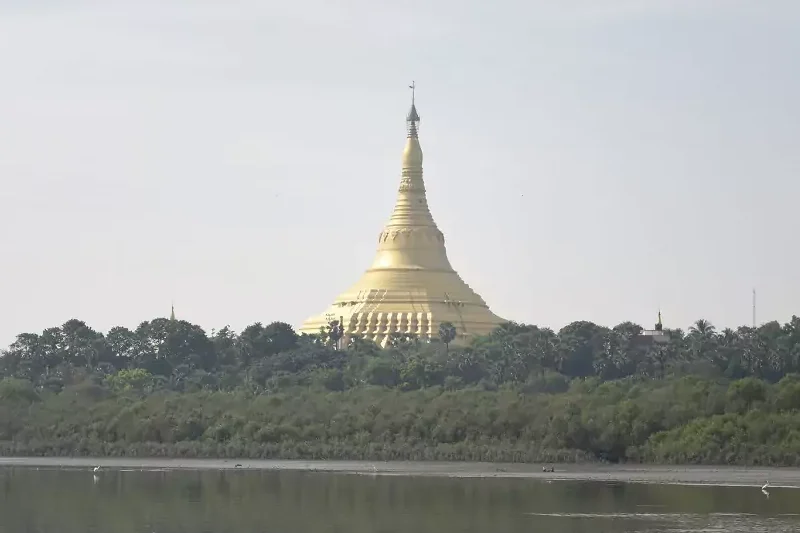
690	475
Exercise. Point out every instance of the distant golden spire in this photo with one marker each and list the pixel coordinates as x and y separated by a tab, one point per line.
411	206
422	245
172	314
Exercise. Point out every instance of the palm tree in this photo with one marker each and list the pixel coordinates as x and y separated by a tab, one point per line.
702	338
447	333
335	332
702	328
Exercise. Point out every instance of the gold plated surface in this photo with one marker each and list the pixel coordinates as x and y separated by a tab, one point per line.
410	287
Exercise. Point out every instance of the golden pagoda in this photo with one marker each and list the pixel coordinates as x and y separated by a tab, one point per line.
410	287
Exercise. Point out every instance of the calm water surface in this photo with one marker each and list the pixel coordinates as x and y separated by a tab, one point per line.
51	500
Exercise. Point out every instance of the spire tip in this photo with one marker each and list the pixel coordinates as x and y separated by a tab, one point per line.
413	116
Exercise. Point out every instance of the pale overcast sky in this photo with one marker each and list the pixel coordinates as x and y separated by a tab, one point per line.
588	159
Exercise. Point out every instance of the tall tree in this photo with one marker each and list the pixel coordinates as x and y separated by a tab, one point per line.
447	333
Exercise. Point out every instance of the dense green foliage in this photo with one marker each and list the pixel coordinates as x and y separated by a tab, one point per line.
523	393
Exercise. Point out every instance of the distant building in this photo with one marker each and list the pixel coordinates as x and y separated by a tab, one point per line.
657	335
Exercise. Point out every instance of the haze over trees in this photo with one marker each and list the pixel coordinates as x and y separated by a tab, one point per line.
522	393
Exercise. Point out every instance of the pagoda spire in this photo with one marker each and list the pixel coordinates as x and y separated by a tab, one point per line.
411	206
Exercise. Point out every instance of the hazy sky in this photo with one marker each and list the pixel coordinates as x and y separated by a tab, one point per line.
588	159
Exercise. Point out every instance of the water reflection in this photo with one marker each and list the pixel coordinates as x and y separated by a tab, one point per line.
71	501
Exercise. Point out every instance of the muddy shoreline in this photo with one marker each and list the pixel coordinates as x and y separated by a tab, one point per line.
689	475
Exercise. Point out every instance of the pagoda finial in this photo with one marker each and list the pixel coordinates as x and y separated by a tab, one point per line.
413	117
659	326
172	313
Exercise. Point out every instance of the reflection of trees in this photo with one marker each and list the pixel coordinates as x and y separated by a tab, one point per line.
240	502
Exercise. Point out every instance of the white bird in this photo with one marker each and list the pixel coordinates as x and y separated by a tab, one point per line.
764	489
96	469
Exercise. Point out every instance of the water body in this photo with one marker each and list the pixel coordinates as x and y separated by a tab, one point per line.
178	496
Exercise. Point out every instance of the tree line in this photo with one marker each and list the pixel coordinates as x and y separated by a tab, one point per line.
521	393
182	356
